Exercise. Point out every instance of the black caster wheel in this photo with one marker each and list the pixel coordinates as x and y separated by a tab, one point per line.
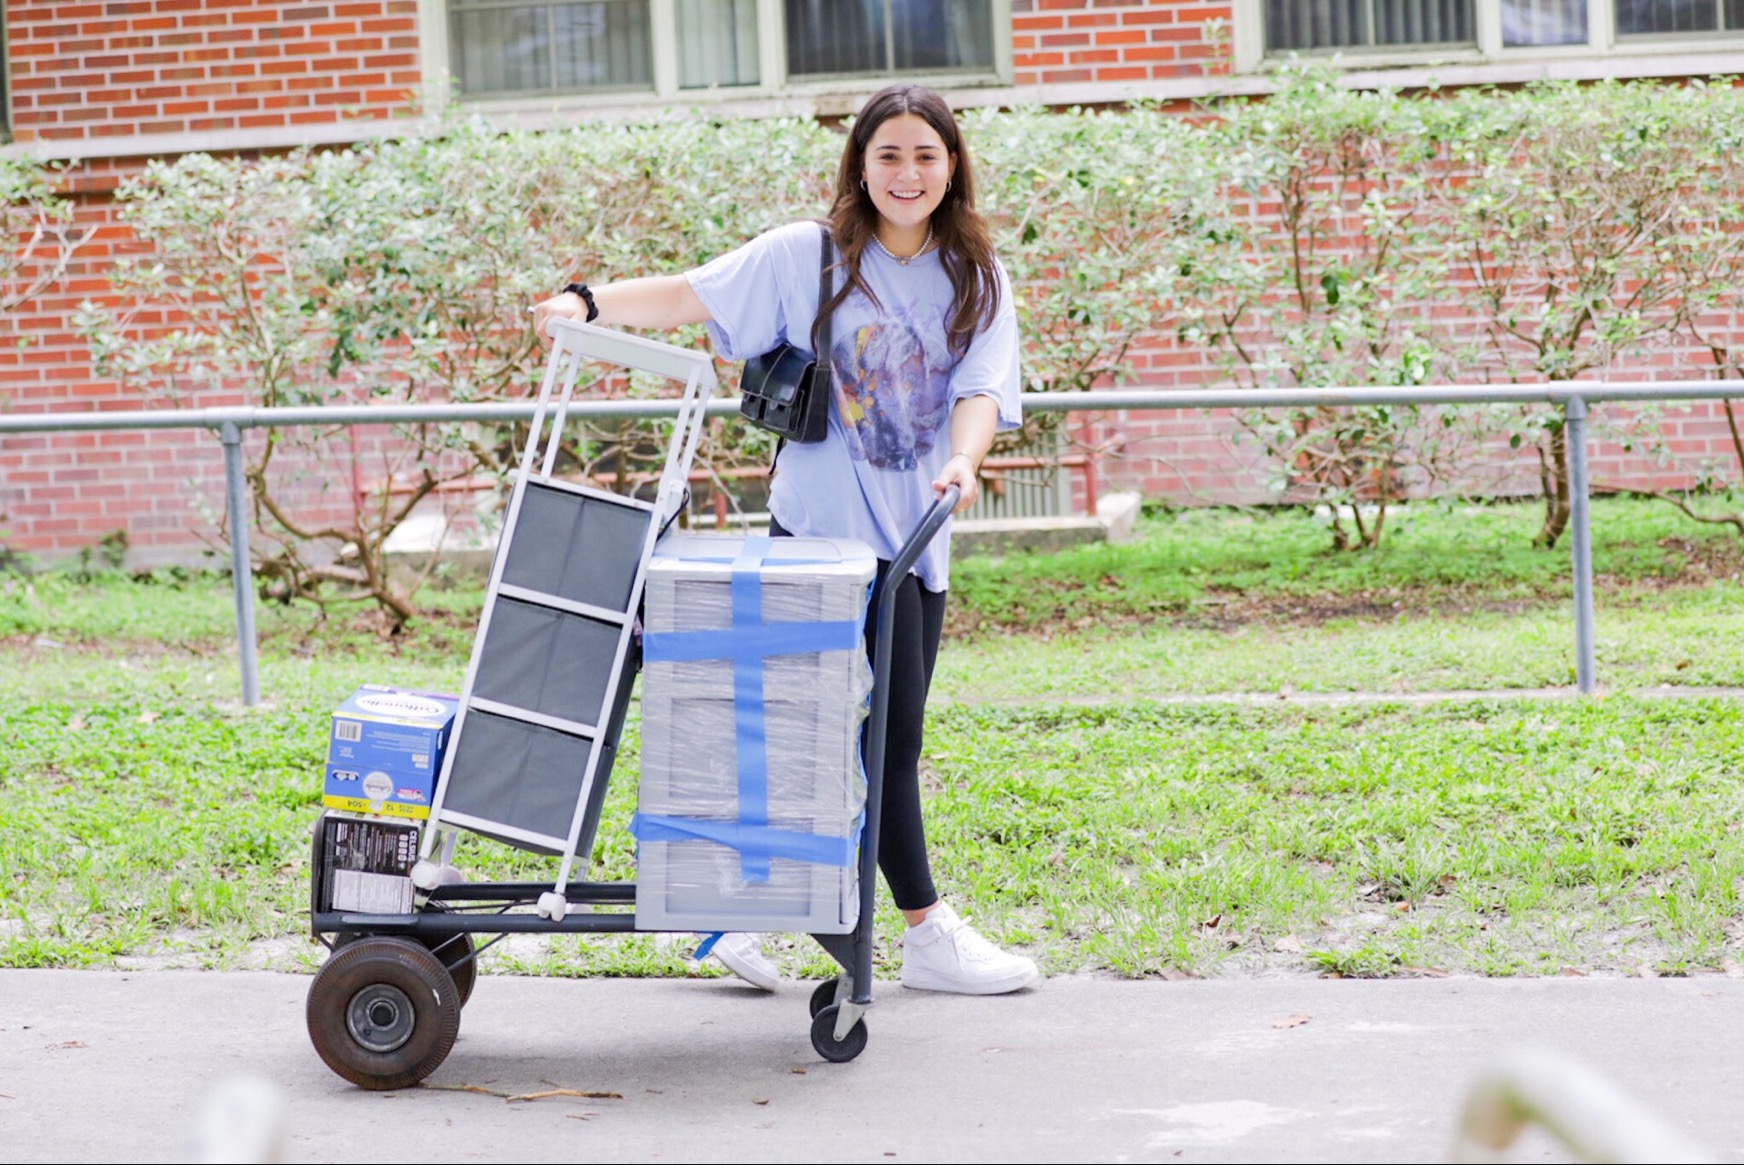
823	1037
317	855
453	951
824	996
383	1013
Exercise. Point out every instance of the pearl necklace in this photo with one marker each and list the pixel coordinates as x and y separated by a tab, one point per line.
925	243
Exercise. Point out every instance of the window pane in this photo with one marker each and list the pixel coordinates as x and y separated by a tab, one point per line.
1543	22
942	34
1646	16
1734	14
601	46
500	49
544	48
1408	22
881	36
835	36
717	42
1315	24
1333	24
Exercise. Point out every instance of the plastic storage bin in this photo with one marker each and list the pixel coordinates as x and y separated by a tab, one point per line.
755	684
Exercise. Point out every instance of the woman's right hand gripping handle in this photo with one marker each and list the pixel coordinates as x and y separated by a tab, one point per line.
660	302
565	305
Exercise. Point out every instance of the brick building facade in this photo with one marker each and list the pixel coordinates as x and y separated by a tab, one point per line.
107	85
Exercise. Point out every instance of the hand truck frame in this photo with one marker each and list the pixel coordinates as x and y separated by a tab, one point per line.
384	1009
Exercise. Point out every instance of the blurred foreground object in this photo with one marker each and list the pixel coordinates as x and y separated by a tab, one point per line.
242	1123
1586	1112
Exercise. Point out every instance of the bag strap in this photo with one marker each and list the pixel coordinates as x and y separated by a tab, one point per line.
820	328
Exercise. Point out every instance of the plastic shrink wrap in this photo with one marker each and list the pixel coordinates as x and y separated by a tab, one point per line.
755	686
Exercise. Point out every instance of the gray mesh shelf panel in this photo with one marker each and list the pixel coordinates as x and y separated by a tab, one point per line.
545	660
584	549
522	775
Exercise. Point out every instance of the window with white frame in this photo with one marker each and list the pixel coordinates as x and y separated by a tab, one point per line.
508	48
1415	25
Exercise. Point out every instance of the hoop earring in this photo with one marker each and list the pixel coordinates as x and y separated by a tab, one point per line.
947	185
863	184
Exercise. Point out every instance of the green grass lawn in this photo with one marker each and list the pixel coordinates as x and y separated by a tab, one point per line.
1078	808
1213	566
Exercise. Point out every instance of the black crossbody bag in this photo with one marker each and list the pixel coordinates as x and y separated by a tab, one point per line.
785	390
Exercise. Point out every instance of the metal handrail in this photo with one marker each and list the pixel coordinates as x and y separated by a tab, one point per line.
1573	397
251	417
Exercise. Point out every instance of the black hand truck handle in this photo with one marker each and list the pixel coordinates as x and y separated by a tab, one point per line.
886	615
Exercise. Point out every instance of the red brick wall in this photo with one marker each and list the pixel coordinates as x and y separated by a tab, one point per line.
1060	41
1194	457
122	67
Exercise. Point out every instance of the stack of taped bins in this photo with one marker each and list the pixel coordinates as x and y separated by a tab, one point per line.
755	686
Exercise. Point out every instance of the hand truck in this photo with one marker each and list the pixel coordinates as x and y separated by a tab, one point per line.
384	1009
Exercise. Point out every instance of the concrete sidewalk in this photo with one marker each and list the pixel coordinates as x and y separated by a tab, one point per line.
116	1066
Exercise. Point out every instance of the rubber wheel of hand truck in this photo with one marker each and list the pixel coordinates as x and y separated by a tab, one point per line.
453	951
317	855
823	1037
383	1013
824	996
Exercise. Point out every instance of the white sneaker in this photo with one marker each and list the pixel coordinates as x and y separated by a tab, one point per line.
944	953
742	954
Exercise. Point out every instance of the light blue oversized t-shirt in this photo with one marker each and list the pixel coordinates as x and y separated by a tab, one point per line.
896	383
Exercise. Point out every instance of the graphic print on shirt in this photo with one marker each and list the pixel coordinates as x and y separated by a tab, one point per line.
893	381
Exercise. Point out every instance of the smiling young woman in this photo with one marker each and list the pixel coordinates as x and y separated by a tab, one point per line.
925	371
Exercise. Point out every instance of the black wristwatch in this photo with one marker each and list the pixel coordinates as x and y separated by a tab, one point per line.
587	298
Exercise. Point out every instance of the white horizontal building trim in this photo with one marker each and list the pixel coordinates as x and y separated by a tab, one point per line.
220	141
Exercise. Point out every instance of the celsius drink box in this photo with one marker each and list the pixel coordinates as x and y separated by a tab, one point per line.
385	752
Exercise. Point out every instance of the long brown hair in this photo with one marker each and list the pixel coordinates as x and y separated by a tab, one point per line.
965	249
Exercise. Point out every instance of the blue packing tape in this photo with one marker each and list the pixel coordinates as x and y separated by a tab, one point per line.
814	848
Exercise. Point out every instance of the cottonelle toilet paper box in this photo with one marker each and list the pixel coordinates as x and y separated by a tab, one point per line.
385	751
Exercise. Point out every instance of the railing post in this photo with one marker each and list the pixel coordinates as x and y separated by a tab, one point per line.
1581	540
241	574
1092	455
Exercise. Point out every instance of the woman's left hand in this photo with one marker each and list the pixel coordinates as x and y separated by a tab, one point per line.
960	472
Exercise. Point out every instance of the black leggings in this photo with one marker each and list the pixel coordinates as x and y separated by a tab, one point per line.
914	646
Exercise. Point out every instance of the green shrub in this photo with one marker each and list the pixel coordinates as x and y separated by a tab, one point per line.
1319	237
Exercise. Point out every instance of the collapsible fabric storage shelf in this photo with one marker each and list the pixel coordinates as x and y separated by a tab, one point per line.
552	666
